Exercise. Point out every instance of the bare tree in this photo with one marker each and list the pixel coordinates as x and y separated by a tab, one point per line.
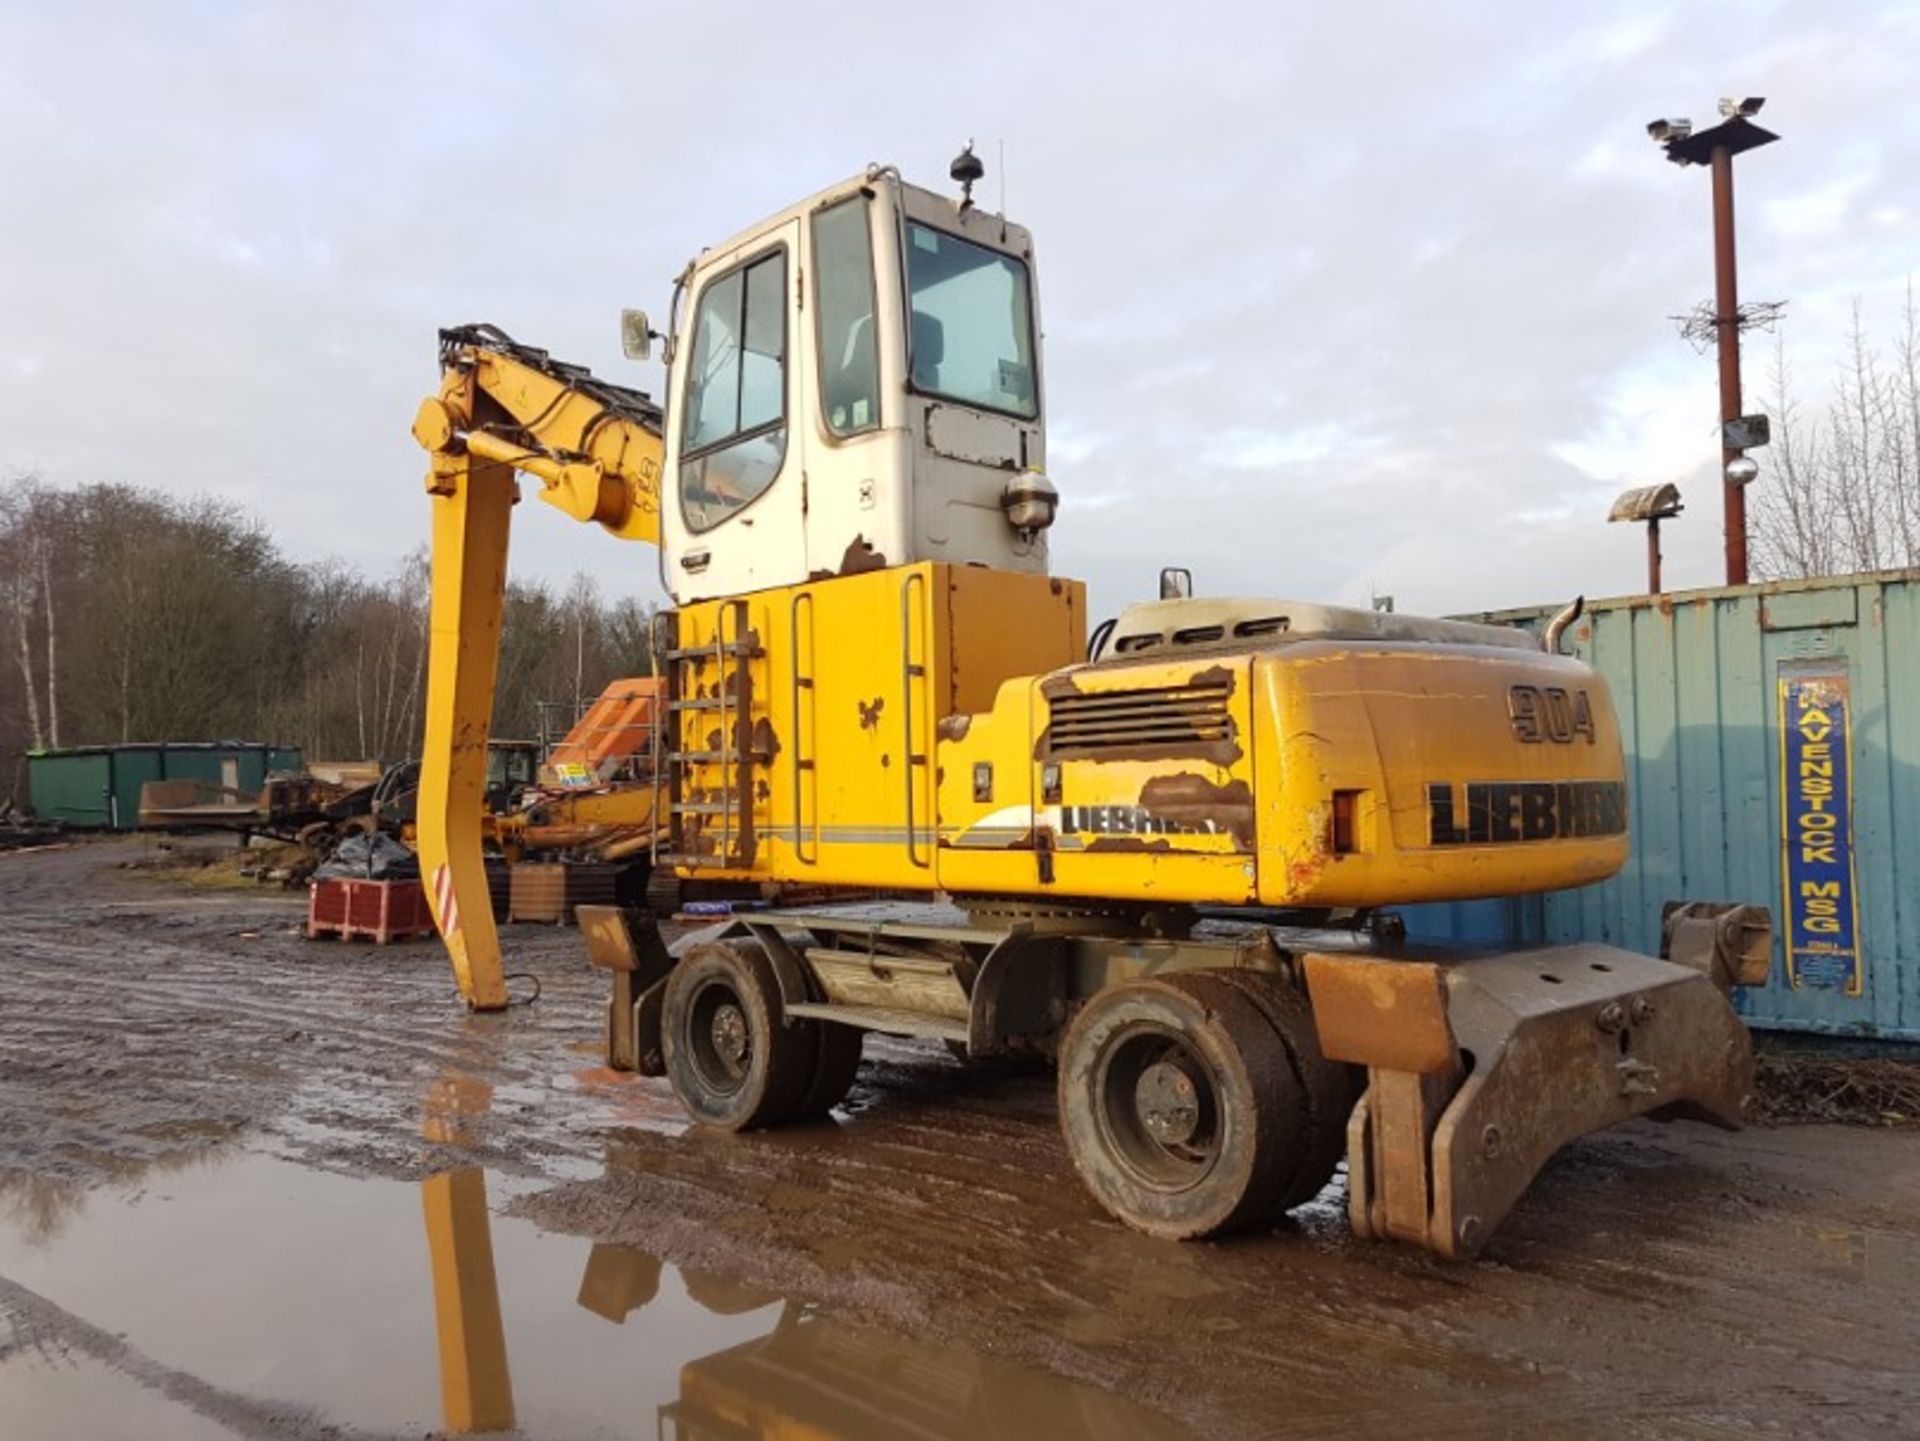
32	531
53	648
19	577
1844	490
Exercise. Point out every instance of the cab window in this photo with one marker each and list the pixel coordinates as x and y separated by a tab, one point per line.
970	335
735	435
849	352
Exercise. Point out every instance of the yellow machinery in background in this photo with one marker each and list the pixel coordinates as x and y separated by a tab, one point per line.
1164	861
594	796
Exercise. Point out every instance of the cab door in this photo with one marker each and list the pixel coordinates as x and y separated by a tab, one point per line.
735	506
859	491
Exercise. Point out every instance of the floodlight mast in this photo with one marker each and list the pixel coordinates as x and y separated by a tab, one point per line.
1649	505
1716	148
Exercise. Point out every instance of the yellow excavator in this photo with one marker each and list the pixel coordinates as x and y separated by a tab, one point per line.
1163	860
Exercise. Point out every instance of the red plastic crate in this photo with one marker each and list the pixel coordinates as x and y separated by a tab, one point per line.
382	911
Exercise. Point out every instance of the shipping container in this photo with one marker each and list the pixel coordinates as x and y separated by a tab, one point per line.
98	787
1772	737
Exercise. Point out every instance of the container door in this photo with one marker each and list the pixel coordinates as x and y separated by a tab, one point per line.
133	767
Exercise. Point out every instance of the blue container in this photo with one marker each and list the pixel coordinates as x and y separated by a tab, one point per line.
1772	736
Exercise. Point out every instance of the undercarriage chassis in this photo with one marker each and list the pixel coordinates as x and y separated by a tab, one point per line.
1477	1067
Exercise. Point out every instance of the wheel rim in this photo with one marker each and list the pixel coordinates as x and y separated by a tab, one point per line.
720	1037
1158	1108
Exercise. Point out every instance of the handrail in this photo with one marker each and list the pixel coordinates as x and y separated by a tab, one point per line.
665	715
720	691
803	765
909	672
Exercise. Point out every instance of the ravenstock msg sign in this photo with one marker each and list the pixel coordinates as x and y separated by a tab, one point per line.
1816	820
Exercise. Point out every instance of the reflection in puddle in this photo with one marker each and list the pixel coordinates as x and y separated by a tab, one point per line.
290	1296
453	1105
811	1378
476	1393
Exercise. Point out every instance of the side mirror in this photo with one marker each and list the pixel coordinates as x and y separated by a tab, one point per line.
1176	583
636	336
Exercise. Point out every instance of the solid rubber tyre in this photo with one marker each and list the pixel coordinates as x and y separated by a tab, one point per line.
1328	1086
836	1062
1180	1107
730	1057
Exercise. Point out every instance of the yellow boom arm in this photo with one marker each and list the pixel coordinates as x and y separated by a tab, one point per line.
596	450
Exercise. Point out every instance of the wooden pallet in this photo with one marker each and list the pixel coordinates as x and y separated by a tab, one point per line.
551	891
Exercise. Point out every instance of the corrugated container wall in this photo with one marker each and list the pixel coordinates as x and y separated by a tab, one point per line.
1773	750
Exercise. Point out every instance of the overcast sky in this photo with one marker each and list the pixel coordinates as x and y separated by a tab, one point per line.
1338	297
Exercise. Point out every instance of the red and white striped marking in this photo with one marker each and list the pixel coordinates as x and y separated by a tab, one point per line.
446	909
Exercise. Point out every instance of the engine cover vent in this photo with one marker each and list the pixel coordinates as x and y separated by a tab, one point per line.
1141	724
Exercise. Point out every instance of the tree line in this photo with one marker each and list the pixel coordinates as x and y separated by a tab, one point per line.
131	615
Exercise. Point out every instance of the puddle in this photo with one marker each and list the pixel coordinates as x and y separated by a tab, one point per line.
251	1295
51	1394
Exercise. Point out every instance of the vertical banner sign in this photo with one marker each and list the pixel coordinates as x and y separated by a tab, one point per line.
1816	827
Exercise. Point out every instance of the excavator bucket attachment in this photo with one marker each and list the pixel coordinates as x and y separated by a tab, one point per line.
472	503
1480	1069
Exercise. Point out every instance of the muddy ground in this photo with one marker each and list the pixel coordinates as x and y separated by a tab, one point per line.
1656	1282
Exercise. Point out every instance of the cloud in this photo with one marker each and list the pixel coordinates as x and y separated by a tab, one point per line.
1654	423
1336	296
1820	212
1247	449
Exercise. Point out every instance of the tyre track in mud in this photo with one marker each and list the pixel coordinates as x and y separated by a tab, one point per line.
1655	1283
27	1312
222	997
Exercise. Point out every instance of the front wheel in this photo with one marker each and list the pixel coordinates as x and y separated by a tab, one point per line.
731	1060
1180	1107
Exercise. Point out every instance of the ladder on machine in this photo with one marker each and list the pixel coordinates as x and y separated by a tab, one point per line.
709	826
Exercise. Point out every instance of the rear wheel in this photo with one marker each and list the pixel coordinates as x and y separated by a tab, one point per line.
732	1061
1328	1086
836	1062
1180	1106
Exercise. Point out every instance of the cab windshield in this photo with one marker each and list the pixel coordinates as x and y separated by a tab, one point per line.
971	332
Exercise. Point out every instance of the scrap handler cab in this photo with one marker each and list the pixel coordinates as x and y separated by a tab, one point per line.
1165	865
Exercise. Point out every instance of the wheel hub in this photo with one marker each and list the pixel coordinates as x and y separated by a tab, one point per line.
729	1031
1167	1101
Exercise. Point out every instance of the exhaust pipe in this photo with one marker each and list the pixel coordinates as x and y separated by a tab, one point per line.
1550	641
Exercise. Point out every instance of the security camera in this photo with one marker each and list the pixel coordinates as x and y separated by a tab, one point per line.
1745	107
1666	131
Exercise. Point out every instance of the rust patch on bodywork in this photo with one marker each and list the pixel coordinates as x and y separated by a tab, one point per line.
861	557
1194	802
1214	675
1130	843
955	727
870	712
1058	684
765	744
